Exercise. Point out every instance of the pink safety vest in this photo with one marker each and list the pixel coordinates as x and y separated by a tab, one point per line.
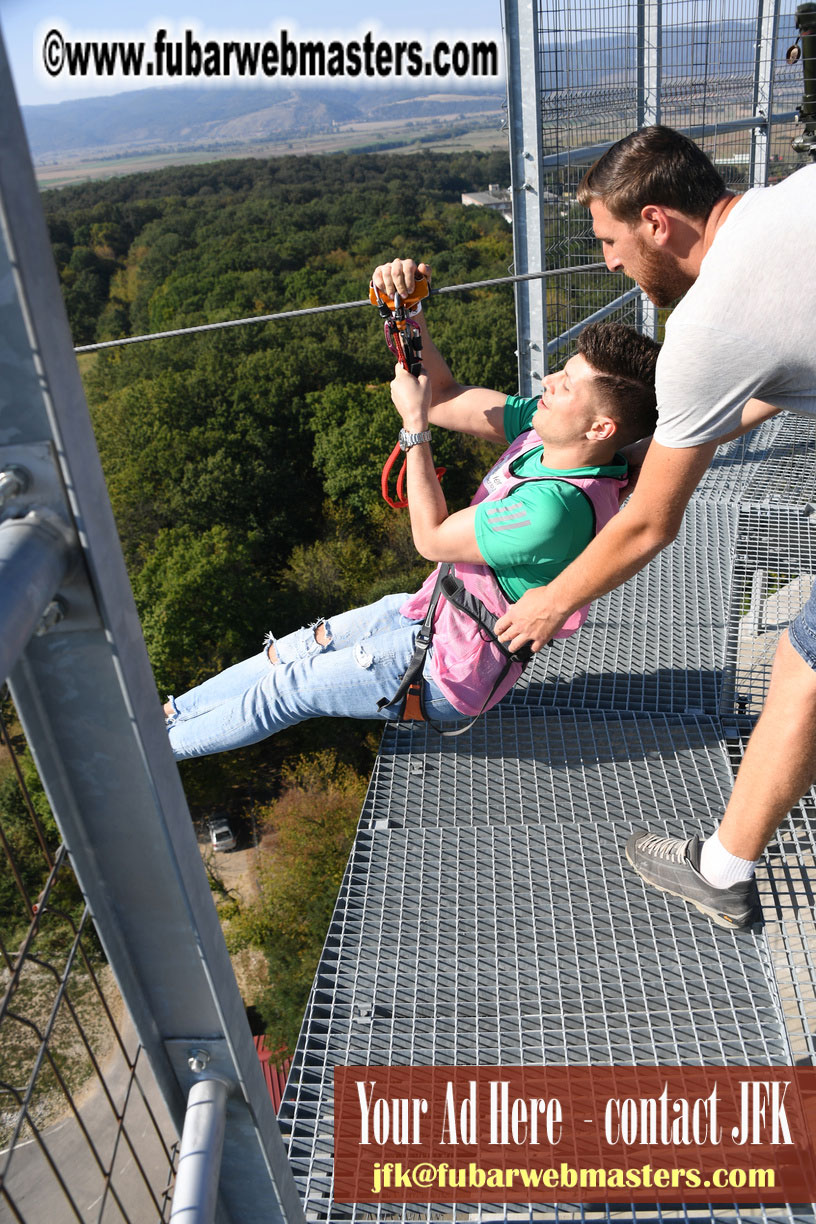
464	664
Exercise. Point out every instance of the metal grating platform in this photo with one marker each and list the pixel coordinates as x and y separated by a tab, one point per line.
480	946
775	462
526	767
658	643
467	927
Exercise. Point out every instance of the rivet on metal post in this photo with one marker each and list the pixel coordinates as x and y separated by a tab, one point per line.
53	614
197	1061
14	480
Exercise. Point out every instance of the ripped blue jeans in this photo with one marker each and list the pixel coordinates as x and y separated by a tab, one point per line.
366	652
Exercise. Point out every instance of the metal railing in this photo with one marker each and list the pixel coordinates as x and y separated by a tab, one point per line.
582	77
81	1121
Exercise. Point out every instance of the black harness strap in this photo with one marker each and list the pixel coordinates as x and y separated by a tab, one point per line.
410	691
410	688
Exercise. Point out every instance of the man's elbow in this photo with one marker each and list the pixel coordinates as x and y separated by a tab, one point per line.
434	555
652	533
445	389
434	547
661	535
425	545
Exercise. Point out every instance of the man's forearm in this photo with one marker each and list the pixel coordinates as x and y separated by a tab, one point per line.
426	501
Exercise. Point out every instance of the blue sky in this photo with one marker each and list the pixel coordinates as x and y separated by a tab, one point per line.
25	22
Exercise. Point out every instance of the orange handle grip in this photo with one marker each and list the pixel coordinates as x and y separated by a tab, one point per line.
420	291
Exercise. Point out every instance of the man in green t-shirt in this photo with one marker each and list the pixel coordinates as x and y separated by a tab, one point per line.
529	537
343	666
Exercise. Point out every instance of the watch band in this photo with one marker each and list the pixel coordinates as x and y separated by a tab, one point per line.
407	439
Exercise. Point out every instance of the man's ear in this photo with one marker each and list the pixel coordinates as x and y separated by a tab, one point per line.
602	429
657	223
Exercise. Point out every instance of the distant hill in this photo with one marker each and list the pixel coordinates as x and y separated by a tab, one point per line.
146	119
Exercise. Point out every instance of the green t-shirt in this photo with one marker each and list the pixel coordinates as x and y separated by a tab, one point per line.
528	538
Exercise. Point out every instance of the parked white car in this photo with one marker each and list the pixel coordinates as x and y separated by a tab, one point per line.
221	835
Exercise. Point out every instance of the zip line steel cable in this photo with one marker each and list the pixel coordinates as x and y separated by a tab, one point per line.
310	310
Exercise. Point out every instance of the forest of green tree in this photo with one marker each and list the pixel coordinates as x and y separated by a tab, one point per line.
244	465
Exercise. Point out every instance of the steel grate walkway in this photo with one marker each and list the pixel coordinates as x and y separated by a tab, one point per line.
488	916
628	658
775	462
525	767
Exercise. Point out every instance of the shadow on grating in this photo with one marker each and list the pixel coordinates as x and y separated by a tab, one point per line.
529	766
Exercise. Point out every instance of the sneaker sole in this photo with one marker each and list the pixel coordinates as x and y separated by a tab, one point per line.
716	916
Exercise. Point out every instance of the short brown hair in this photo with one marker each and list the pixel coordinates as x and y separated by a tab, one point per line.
654	165
624	365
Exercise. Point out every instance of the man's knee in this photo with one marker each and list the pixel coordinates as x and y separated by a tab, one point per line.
321	634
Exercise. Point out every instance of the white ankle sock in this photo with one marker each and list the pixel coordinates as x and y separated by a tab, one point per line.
720	867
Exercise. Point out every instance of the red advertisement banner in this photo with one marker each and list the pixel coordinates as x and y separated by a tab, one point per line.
575	1134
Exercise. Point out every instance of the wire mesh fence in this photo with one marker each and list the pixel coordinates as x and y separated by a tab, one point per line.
773	569
83	1134
709	68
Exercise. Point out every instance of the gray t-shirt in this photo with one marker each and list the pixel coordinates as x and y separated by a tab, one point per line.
747	327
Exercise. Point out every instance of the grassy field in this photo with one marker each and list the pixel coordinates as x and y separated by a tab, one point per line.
484	135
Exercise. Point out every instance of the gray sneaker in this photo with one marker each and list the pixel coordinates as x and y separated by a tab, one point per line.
673	865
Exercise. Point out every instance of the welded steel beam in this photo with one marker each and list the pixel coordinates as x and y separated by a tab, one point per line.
698	131
649	100
762	102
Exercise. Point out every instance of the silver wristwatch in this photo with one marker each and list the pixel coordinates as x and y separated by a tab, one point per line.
407	440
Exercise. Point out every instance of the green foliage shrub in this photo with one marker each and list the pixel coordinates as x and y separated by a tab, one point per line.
310	829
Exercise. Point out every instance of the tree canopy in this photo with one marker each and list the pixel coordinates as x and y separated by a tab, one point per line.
244	465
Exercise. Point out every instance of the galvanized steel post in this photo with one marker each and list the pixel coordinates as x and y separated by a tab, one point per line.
526	184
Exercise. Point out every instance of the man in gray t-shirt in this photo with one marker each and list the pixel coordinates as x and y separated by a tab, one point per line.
738	349
745	328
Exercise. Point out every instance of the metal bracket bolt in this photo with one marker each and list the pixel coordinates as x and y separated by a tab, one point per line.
14	480
53	614
197	1061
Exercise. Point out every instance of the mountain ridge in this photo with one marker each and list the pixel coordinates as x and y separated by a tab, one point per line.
143	119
